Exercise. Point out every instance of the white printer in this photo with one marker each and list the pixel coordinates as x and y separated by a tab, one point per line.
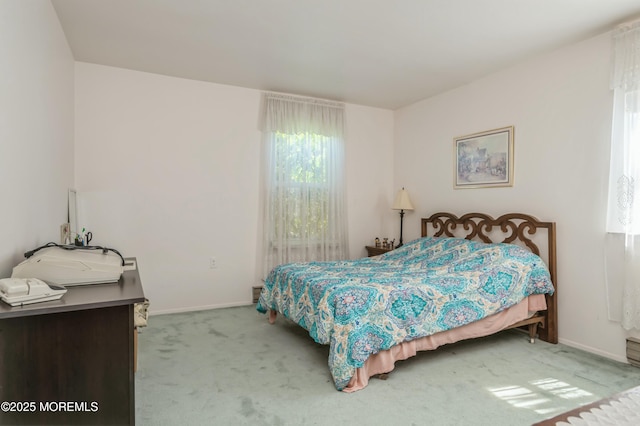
70	265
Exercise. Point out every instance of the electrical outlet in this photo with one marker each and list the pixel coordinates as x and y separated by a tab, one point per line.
213	264
65	233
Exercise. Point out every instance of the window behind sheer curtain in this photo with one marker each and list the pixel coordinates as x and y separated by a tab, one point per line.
623	212
304	211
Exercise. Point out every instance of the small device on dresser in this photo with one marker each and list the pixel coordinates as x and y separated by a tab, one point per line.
23	291
71	265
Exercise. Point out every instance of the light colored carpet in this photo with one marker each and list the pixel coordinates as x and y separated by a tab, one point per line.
230	366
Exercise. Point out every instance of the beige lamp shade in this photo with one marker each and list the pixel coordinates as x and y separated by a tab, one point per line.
402	202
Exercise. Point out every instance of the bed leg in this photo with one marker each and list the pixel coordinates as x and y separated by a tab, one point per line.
533	330
272	316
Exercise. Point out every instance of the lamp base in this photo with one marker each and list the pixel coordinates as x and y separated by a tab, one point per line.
401	220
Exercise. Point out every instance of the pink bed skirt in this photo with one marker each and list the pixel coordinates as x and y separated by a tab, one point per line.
384	361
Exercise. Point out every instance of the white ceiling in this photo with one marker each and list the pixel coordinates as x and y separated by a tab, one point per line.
382	53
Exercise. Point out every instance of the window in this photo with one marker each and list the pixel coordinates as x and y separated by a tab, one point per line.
623	210
304	210
624	178
303	190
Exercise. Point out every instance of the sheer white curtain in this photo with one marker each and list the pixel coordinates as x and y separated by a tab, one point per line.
623	215
304	199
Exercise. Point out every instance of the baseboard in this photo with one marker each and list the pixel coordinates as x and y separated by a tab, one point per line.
589	349
196	308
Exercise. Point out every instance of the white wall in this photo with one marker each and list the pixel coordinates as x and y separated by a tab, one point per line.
560	105
36	128
168	171
370	190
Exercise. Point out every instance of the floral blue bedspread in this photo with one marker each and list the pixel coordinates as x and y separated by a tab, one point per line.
360	307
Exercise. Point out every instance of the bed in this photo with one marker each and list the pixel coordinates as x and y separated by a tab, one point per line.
466	277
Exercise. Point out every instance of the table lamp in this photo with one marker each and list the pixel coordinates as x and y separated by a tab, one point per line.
402	203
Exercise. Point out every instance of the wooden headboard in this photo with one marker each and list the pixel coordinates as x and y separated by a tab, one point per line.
513	228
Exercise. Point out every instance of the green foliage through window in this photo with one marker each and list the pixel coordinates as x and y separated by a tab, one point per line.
302	192
302	157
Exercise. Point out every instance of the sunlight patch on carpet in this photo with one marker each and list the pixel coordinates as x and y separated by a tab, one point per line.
535	399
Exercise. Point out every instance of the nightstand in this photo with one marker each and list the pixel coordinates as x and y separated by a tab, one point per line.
375	251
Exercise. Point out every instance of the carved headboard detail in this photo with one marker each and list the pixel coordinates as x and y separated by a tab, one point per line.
514	228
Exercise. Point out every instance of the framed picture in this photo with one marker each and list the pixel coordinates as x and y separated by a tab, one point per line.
484	159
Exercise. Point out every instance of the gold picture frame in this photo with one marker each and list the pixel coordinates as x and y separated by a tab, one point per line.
484	159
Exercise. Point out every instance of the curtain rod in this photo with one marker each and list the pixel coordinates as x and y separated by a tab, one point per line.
627	24
304	99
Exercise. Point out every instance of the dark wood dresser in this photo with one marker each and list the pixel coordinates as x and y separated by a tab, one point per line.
71	361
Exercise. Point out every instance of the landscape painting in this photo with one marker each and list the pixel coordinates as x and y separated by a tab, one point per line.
484	159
